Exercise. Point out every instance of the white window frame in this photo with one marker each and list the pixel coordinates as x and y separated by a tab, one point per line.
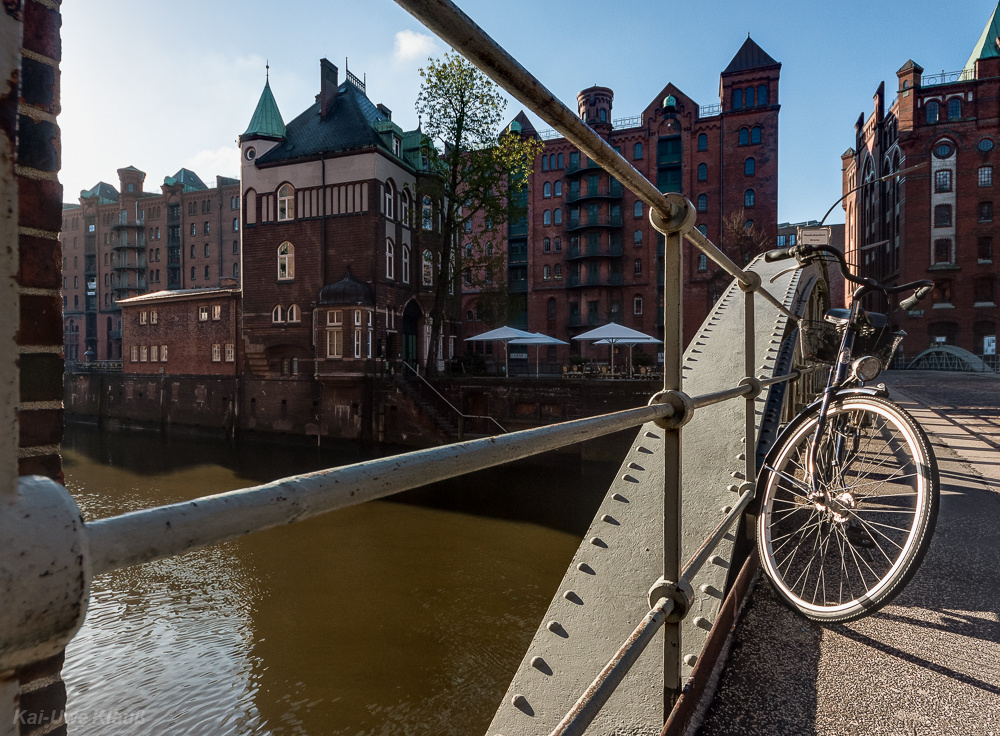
637	305
163	353
406	264
389	195
134	353
286	203
143	353
293	314
335	318
277	315
153	317
335	343
216	312
154	353
390	259
143	317
357	343
230	352
216	352
286	262
203	314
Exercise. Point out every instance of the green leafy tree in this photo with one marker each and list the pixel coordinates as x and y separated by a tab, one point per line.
478	177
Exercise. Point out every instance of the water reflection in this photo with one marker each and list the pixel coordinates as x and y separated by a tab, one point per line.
385	618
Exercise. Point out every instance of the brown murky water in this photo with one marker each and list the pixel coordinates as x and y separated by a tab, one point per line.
386	618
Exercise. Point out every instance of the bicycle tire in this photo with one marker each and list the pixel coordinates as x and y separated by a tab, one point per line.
840	562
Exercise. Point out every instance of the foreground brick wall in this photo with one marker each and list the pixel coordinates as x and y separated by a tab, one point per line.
30	48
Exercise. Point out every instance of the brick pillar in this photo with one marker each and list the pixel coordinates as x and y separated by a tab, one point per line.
31	344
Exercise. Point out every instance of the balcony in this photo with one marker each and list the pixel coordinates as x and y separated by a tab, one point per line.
579	223
602	192
594	250
594	279
517	228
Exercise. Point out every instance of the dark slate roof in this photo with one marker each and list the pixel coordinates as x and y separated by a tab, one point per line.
266	120
347	291
188	179
102	190
910	64
750	56
347	126
526	127
225	181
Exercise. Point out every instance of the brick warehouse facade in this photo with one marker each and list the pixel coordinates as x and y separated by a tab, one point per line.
937	222
588	254
119	243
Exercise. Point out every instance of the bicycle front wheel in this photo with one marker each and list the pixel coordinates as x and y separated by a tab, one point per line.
848	551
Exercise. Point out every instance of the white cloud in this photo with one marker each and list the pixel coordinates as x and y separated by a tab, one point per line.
411	45
208	164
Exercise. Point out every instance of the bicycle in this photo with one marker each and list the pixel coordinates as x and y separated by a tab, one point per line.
850	488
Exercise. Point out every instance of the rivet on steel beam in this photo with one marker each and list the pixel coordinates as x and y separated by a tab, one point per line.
691	660
732	488
609	519
584	567
726	509
741	456
629	479
653	435
520	702
598	542
719	561
710	590
644	450
572	597
738	475
635	466
541	665
619	497
702	623
556	628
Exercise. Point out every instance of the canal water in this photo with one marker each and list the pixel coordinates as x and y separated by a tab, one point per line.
393	617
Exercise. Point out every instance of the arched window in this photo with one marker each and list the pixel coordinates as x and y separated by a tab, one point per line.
748	198
390	259
637	237
638	209
954	108
428	268
755	134
703	203
762	94
558	270
702	172
547	217
406	264
744	136
750	167
737	99
551	309
545	163
703	229
277	315
404	206
389	197
286	262
546	245
294	314
286	203
427	214
748	225
702	142
637	151
751	97
236	271
546	272
547	189
557	216
933	110
558	190
702	262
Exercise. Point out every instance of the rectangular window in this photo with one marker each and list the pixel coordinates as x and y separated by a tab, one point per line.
142	318
143	353
985	248
637	305
154	353
216	311
153	317
335	317
334	344
163	353
942	250
985	176
986	212
230	352
357	316
203	314
134	353
942	181
216	352
942	215
357	343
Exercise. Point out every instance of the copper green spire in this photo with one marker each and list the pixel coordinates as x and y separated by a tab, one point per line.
266	120
986	47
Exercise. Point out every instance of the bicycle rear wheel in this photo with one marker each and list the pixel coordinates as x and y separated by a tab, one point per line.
841	559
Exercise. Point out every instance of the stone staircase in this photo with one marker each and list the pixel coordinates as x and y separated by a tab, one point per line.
430	405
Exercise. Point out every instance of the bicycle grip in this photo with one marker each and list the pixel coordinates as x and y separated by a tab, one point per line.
778	254
911	301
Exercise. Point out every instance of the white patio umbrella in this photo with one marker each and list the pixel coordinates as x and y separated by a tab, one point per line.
503	334
614	333
631	344
538	339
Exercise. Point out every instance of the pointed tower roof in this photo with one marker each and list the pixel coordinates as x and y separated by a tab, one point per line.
750	56
266	121
988	45
526	127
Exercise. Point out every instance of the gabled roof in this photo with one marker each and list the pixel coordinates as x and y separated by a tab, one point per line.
104	192
526	127
178	294
986	46
347	126
186	178
266	120
750	56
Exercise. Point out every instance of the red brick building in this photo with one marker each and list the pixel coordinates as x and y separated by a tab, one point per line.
119	243
334	284
937	222
587	254
188	332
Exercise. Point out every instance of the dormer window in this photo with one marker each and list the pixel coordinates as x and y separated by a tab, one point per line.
286	203
396	146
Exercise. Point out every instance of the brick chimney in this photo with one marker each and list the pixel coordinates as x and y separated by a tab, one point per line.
327	87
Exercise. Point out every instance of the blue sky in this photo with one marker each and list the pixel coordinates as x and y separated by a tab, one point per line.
165	85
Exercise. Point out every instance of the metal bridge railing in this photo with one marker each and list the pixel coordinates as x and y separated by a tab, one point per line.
49	558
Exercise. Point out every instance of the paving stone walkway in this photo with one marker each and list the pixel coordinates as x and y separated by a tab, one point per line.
927	664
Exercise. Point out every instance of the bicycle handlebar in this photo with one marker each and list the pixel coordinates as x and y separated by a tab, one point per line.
803	252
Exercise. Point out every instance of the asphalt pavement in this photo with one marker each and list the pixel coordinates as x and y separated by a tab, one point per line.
927	664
